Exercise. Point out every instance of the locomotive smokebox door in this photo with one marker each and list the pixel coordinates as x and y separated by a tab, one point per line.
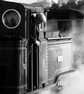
12	18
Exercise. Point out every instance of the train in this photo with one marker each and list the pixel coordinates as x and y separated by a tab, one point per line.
30	58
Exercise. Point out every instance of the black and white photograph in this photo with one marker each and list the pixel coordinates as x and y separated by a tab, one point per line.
41	47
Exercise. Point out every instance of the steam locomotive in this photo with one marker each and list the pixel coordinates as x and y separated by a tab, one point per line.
29	60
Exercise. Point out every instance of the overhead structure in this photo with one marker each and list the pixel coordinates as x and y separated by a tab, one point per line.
64	13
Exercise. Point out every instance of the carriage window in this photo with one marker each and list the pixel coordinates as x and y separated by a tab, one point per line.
11	18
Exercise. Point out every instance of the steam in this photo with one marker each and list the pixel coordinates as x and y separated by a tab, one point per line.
47	91
73	83
78	42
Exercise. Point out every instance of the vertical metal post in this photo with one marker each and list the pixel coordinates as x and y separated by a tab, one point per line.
26	66
37	50
32	67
